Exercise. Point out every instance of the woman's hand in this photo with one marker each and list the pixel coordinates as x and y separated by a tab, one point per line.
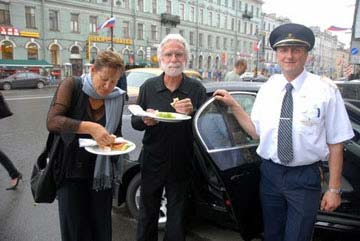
148	120
101	135
184	106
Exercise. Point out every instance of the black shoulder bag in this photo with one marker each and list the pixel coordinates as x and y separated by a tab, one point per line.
44	181
4	108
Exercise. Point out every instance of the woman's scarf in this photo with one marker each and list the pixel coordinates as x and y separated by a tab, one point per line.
113	108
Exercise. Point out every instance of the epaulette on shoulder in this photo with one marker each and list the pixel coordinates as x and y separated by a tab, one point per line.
328	81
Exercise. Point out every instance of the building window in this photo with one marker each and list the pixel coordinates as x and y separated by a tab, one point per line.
74	23
168	6
140	5
7	50
4	17
54	54
153	32
218	20
140	31
201	16
53	20
75	50
200	64
191	36
210	18
239	26
232	44
30	17
32	51
192	14
140	56
93	53
154	6
225	22
167	30
182	11
209	41
217	42
126	30
200	40
92	24
181	32
232	24
126	3
225	43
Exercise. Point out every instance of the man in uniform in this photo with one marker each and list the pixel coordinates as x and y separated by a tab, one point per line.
239	69
167	147
300	119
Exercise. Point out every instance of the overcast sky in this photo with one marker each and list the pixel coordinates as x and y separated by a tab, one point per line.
322	13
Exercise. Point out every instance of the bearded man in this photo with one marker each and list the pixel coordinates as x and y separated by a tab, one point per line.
167	147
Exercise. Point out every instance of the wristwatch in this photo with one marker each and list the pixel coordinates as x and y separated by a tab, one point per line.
335	190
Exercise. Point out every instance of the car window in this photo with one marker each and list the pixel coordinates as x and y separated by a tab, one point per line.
221	134
136	79
21	75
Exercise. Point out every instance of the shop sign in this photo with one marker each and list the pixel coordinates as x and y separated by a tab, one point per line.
29	34
9	31
93	38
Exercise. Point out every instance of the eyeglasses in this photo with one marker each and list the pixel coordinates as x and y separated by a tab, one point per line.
178	55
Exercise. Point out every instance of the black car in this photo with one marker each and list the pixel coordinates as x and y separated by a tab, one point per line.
24	80
225	184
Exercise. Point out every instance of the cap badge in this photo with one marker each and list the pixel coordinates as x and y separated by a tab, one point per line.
290	35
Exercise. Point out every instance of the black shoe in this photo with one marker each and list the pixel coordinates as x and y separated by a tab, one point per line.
13	187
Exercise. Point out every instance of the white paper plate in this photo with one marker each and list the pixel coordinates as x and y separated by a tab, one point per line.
98	151
177	117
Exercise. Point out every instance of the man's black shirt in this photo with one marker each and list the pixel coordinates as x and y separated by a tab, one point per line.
167	147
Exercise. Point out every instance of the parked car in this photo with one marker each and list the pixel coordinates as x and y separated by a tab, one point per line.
225	185
136	77
24	80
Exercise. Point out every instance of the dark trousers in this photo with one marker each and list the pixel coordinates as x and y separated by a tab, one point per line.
290	199
85	214
150	198
9	166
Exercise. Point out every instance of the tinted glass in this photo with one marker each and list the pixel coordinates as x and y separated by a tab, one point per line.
226	142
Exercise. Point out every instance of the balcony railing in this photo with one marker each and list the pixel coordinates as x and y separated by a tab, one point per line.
167	18
247	15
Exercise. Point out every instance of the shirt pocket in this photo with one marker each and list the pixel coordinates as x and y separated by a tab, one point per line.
309	119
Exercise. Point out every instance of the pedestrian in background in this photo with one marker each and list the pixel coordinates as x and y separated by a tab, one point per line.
14	174
85	194
239	68
301	120
167	147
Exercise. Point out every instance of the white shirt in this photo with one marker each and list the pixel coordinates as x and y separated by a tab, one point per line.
319	117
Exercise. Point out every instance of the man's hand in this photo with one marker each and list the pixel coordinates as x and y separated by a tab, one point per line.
330	201
184	106
148	120
225	97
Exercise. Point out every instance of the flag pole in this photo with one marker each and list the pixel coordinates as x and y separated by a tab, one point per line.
112	27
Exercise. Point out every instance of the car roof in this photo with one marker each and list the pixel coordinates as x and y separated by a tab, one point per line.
211	86
158	71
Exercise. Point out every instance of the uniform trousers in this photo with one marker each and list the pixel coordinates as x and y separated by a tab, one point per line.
290	198
8	165
85	214
150	198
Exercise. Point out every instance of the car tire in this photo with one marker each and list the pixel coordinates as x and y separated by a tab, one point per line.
40	85
7	86
133	201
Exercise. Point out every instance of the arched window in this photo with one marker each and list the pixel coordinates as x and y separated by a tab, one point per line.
217	62
126	54
75	50
140	56
93	53
209	63
200	65
54	52
32	52
7	50
191	62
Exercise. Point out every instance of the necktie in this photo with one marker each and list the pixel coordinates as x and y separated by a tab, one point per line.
285	144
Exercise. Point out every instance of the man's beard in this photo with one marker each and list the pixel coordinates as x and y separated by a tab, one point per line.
172	69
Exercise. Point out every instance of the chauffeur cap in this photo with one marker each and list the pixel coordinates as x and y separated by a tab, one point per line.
292	34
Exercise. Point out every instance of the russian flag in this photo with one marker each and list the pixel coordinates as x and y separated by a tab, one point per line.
107	24
334	28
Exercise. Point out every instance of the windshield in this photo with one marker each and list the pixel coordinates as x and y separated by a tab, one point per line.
136	79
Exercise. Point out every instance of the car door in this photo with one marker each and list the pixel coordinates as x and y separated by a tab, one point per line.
228	161
20	80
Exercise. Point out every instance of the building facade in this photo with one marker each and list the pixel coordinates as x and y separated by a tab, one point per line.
65	33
